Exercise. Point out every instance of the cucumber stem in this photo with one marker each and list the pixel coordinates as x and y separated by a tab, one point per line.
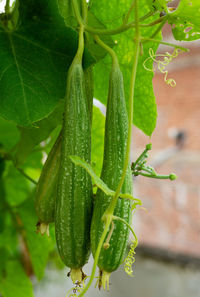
112	53
122	28
79	54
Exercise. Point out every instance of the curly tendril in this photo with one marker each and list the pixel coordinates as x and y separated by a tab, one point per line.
162	60
130	259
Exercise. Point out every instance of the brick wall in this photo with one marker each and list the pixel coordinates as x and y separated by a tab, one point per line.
173	218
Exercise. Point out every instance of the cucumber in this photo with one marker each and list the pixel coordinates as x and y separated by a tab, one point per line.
116	131
46	189
74	198
47	185
89	88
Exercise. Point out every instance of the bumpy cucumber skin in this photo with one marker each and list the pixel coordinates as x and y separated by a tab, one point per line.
46	190
89	88
74	197
116	131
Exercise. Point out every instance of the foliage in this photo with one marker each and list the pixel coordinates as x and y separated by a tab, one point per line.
38	40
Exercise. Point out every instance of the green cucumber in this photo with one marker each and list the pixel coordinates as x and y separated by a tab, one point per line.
46	189
116	131
74	198
89	88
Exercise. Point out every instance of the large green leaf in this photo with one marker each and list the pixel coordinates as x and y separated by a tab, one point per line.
159	5
3	260
9	134
95	50
15	282
38	246
17	187
34	59
9	237
145	113
30	137
185	20
67	12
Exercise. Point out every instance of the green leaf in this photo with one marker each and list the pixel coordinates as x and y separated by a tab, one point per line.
9	236
15	281
98	127
145	109
67	12
95	50
157	5
3	259
185	20
9	134
17	187
145	113
34	59
30	137
39	246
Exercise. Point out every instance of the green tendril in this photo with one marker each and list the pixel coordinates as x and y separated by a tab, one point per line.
130	259
162	60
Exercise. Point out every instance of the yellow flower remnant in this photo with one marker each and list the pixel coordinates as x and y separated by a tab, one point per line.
77	289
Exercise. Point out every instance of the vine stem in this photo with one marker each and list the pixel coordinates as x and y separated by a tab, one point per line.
96	258
145	39
7	156
26	175
129	13
118	30
79	53
108	49
84	11
108	215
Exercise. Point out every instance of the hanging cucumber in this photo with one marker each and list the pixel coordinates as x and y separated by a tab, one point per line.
116	131
89	87
46	190
74	197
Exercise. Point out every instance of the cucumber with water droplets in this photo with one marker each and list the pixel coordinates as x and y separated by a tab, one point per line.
74	197
116	132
